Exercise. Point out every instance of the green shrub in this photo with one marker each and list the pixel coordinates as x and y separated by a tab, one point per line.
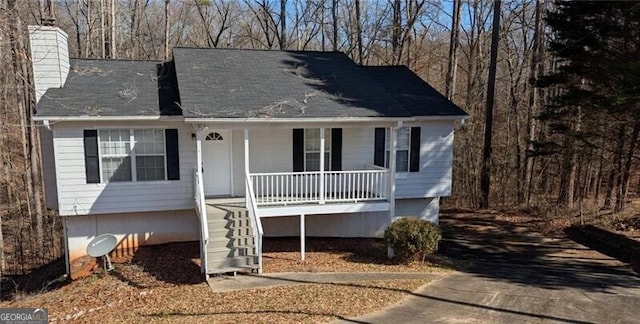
412	238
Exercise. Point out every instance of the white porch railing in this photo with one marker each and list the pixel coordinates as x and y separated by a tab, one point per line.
282	188
256	223
201	210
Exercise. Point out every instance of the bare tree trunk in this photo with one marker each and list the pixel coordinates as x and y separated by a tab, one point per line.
534	100
25	103
166	30
283	24
322	26
88	48
518	146
485	176
573	166
452	68
112	34
396	30
334	21
598	182
76	23
406	35
359	31
103	43
205	25
623	190
2	261
5	196
136	16
615	167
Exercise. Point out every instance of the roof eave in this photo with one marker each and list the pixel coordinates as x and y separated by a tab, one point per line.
107	118
323	119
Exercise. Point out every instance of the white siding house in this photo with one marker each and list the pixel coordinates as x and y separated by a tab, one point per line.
251	144
76	197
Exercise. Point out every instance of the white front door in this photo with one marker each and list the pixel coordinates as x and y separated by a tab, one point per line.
216	160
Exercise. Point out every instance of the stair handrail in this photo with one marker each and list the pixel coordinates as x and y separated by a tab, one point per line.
201	209
256	223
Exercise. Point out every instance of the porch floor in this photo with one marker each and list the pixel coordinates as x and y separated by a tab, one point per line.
217	202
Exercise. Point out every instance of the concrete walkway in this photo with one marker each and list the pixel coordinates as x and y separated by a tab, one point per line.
252	281
518	276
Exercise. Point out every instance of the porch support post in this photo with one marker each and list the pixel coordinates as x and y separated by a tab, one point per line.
246	165
246	152
199	164
393	143
322	162
302	237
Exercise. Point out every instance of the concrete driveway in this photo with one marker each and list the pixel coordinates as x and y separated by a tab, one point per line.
515	275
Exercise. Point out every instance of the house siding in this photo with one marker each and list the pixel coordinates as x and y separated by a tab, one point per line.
76	197
357	148
351	225
132	231
436	158
270	150
48	168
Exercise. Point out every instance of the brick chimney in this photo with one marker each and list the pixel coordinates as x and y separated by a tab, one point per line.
50	57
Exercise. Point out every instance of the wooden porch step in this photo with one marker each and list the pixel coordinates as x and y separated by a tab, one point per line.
221	253
231	247
231	262
249	268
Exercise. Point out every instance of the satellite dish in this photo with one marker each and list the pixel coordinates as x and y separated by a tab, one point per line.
100	246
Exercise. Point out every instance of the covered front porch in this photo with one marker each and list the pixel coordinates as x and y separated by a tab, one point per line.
259	165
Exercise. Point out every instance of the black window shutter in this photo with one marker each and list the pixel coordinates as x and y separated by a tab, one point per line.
378	153
91	158
336	149
173	158
298	150
414	155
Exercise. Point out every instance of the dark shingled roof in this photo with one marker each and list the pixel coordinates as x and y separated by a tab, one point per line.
256	83
415	95
232	83
113	88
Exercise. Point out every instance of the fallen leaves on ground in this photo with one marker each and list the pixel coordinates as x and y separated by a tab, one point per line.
107	297
163	284
340	255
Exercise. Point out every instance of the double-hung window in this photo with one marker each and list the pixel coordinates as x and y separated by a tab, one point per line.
312	149
115	154
403	148
132	155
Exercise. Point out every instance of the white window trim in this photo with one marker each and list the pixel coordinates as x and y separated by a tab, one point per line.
327	160
132	155
387	150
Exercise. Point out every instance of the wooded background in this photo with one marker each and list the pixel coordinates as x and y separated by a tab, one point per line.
553	110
